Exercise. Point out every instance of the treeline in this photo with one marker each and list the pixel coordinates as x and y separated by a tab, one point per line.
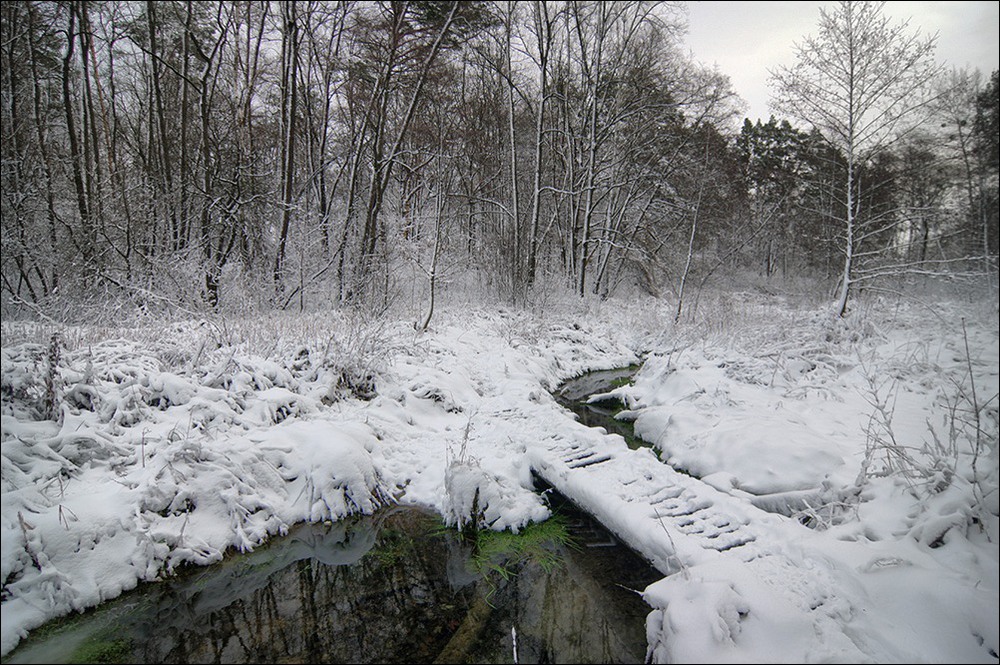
310	153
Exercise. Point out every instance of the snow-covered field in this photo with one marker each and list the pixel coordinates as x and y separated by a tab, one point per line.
871	441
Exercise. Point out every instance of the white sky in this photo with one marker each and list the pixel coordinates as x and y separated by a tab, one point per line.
745	39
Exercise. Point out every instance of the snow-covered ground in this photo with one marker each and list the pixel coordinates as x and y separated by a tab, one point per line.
879	432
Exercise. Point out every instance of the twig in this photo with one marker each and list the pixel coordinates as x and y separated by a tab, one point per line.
673	546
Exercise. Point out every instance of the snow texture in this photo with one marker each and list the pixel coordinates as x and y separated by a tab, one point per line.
816	490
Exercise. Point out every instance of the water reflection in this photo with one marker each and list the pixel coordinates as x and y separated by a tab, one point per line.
390	588
583	610
573	395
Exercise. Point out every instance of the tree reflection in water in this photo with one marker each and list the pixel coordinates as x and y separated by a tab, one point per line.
391	588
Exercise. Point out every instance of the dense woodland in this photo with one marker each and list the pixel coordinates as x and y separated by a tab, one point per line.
245	155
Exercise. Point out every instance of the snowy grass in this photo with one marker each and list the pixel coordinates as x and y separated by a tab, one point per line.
879	431
174	441
128	452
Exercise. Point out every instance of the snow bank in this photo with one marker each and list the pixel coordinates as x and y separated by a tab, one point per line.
148	470
705	420
873	438
166	454
169	453
476	499
841	602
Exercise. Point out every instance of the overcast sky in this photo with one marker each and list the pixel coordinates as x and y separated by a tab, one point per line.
745	39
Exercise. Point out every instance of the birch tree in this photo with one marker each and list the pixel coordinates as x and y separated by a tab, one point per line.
863	82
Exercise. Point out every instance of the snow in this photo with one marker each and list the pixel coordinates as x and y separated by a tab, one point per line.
847	512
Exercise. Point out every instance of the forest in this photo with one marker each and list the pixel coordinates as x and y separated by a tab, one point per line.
325	323
170	157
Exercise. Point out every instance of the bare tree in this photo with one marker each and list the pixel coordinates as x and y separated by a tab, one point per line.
385	155
863	82
201	154
543	23
289	98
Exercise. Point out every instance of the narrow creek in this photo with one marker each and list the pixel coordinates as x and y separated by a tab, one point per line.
574	393
393	587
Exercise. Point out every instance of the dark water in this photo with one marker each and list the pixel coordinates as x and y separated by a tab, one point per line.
573	395
390	588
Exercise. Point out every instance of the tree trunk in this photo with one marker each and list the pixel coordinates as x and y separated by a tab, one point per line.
74	145
43	149
847	274
290	55
166	181
515	203
543	32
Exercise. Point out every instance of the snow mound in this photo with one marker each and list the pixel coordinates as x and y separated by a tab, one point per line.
122	461
147	469
476	499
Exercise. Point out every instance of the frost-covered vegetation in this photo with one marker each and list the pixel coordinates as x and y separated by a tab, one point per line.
872	439
275	262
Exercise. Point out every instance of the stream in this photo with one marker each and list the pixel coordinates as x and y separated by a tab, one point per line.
573	395
394	587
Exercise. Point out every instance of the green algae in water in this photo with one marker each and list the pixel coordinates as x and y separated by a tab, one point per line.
394	545
94	636
499	555
623	381
502	552
104	651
